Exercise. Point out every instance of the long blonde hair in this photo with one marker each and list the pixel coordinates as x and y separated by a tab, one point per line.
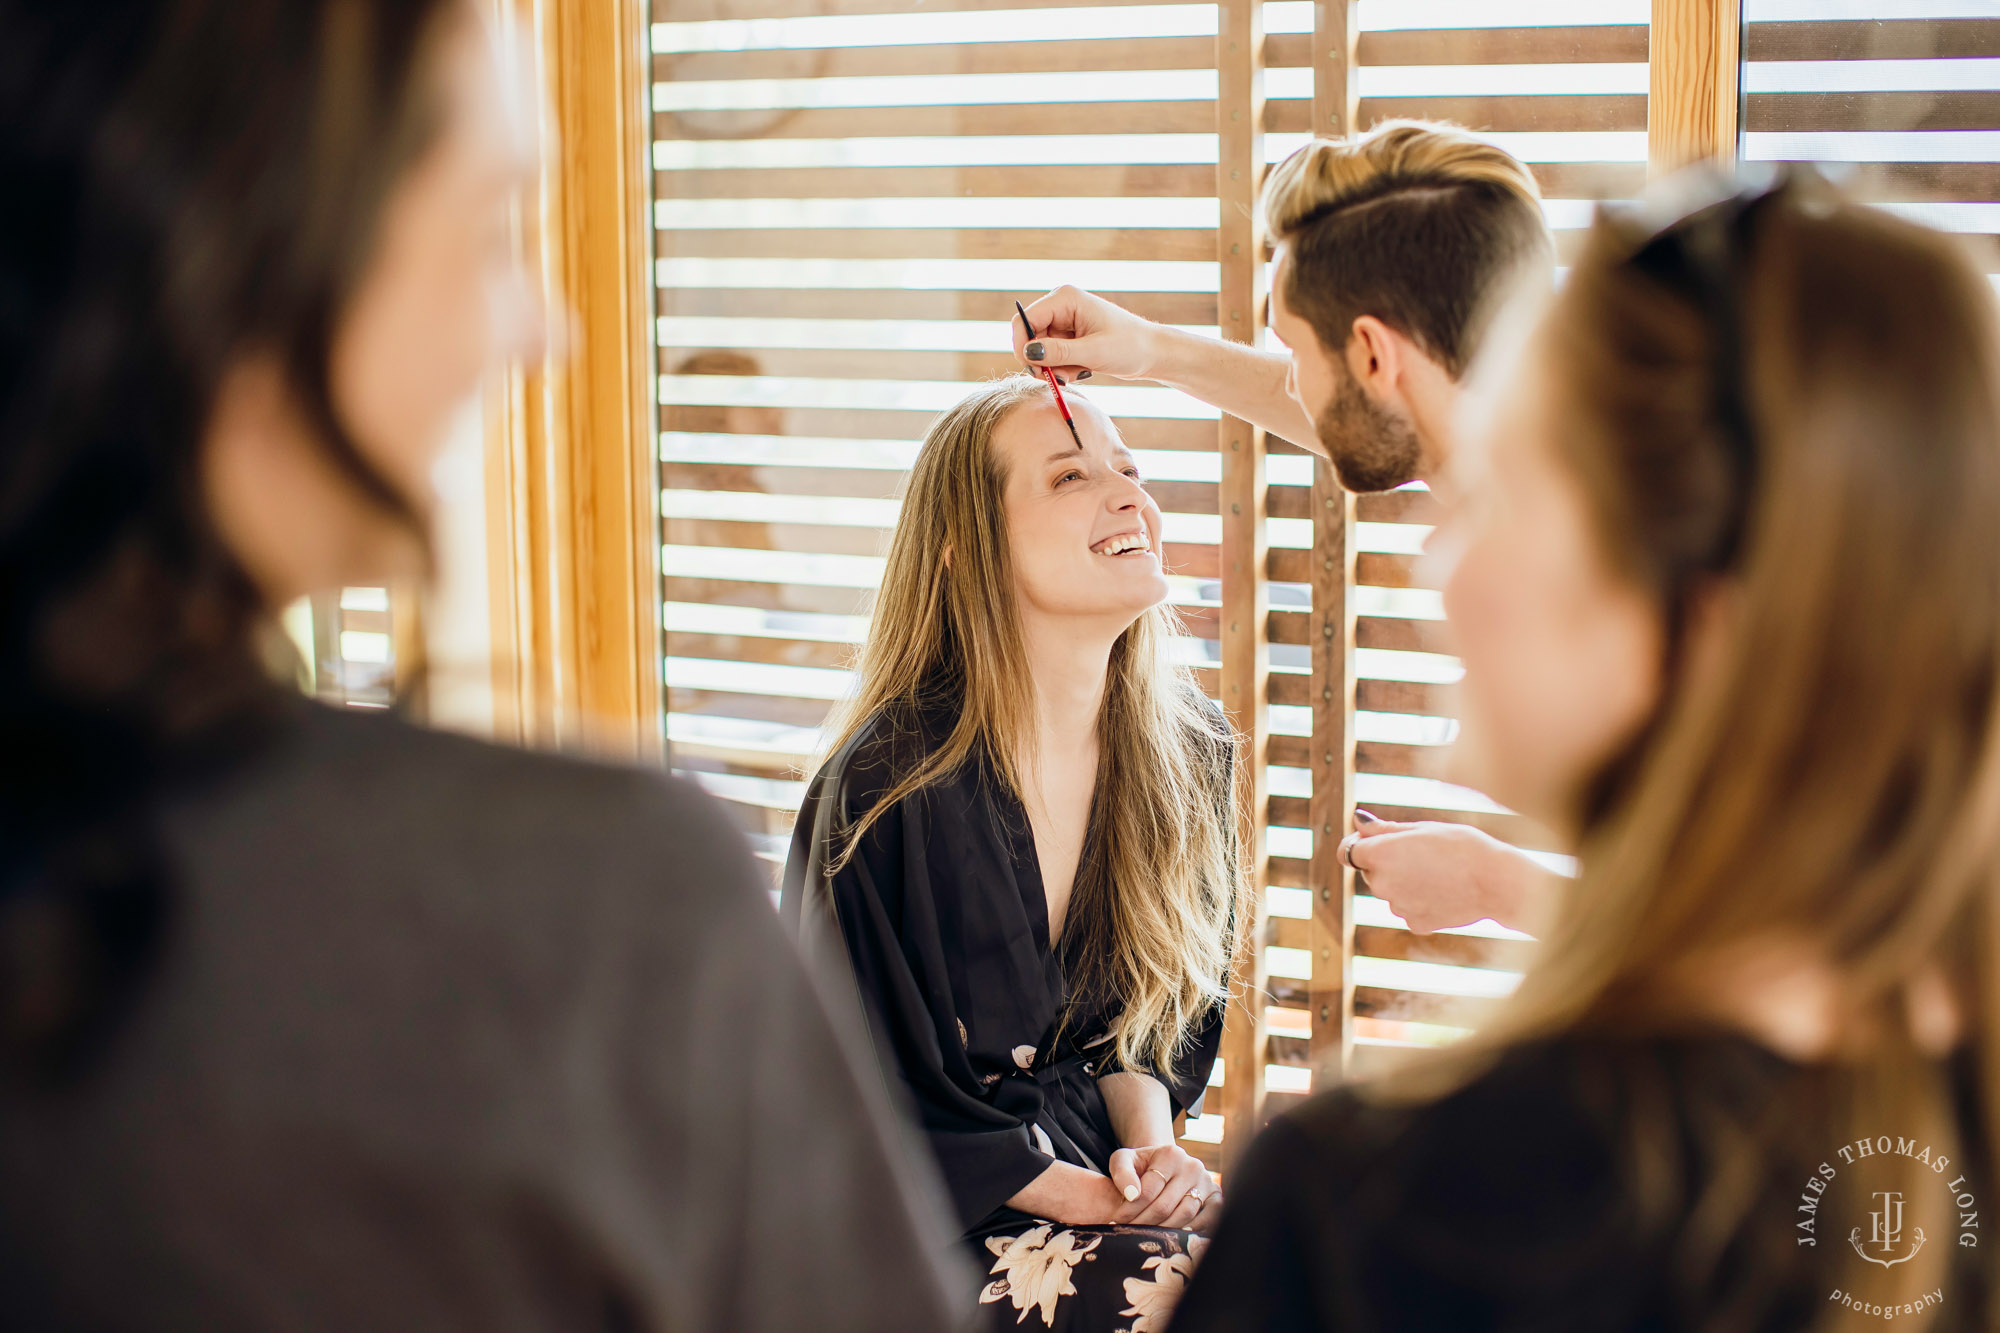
1833	775
1157	905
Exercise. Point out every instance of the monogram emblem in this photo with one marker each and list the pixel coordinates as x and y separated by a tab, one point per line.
1886	1232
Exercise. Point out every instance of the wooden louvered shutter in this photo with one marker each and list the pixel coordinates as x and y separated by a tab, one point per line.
1897	99
1563	87
848	202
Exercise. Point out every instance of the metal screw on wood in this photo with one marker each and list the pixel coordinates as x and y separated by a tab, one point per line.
1329	759
1325	1013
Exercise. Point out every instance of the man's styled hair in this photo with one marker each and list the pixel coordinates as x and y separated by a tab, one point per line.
1419	225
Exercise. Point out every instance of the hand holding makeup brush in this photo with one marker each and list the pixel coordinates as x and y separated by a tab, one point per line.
1082	334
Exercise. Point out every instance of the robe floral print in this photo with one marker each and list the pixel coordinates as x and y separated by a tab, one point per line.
1055	1273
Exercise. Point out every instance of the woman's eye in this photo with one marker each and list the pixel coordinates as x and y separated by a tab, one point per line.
1133	473
1071	475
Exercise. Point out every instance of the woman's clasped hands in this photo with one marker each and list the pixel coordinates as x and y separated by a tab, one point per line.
1164	1186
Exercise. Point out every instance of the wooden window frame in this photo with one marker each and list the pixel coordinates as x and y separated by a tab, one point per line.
573	526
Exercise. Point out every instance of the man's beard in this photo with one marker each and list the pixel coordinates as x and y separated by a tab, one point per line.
1372	448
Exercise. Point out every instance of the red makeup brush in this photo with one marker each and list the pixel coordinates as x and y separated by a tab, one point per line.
1061	406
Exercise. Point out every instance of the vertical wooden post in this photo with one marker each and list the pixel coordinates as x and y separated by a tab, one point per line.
1694	109
1246	601
573	475
1336	97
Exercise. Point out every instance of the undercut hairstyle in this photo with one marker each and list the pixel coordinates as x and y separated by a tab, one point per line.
1422	226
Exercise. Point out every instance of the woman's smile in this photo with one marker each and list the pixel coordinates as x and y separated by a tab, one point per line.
1125	544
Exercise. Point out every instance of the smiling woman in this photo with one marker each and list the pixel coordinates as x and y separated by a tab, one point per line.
1023	846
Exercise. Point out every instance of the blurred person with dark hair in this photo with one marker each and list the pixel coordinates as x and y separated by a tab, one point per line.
309	1019
1724	567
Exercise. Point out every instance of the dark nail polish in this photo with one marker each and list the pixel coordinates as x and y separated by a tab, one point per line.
1035	352
1365	817
1083	374
1061	380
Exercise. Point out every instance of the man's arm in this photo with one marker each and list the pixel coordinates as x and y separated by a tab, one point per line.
1079	333
1438	875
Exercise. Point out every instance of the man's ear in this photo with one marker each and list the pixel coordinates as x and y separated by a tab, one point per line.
1375	356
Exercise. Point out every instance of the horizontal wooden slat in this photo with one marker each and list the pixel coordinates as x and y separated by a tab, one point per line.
1412	761
1154	243
1842	112
1293	1051
802	597
778	708
1183	497
760	478
710	756
1025	57
1295	628
1396	507
1890	181
1409	636
1288	872
1507	828
1396	942
1589	180
1397	1005
869	122
894	303
893	424
1588	44
867	363
783	9
812	538
1057	180
1551	113
1456	950
1421	1007
1910	39
1375	569
762	648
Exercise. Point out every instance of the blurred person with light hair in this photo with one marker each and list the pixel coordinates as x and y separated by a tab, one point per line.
1722	553
1392	250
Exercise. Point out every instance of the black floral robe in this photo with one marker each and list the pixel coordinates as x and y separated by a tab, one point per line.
941	916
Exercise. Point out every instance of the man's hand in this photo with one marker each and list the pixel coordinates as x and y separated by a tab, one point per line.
1164	1186
1079	333
1436	876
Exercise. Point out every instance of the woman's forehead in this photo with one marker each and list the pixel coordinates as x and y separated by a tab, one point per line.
1035	432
